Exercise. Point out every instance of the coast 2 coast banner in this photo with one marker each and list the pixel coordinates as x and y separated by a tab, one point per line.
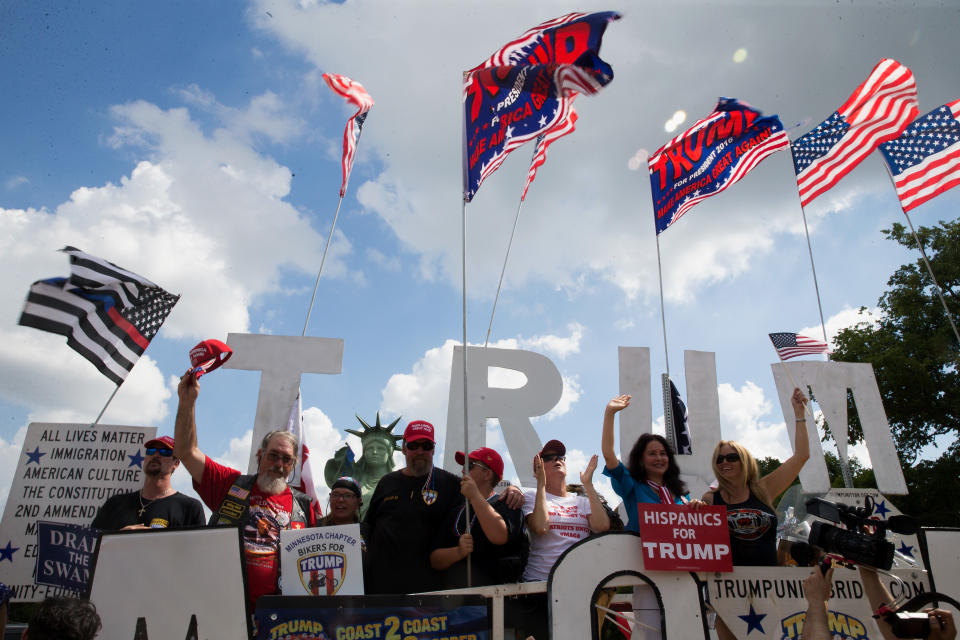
64	473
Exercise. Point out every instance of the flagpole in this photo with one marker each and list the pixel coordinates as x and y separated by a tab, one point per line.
923	254
813	269
323	259
102	411
663	312
463	311
503	270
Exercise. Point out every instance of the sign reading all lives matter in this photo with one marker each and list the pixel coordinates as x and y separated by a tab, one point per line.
323	561
64	473
679	538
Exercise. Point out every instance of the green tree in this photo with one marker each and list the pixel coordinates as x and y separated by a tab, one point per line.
912	348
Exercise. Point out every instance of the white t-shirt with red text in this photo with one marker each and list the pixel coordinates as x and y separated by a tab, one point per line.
567	517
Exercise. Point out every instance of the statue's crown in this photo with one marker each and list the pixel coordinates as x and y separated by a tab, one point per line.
378	430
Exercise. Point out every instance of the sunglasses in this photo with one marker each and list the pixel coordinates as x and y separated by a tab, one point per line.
273	456
550	457
730	457
160	451
426	445
480	465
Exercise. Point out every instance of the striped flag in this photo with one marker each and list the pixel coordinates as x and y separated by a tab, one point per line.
358	96
878	111
302	478
791	345
108	314
925	160
544	140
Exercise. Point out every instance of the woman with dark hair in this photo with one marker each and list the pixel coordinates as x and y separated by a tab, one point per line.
651	474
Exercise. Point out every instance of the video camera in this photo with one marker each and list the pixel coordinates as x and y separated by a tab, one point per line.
863	541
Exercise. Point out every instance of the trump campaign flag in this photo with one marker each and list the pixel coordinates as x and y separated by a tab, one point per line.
523	89
108	314
544	140
878	111
358	96
710	156
925	160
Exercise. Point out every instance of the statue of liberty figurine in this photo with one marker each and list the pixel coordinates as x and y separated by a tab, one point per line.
376	459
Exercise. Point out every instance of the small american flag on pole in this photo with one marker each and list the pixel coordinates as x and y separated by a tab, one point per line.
878	111
358	96
791	345
925	160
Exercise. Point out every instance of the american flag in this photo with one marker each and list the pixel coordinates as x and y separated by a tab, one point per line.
108	314
358	96
791	345
878	111
925	160
544	140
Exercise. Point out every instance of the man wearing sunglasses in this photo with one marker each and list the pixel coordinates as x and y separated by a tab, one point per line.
157	505
262	503
405	513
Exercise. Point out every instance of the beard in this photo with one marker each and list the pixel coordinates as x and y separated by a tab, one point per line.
153	470
420	466
270	485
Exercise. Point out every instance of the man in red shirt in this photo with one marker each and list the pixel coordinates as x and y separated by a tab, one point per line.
263	503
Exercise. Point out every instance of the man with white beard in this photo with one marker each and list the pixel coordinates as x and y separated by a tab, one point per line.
262	502
157	505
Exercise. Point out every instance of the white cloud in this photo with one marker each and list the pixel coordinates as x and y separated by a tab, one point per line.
741	418
847	317
558	346
15	181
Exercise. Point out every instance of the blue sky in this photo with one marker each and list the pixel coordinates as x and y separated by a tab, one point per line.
196	144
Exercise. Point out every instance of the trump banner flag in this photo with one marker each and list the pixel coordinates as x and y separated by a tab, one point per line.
523	90
925	160
709	157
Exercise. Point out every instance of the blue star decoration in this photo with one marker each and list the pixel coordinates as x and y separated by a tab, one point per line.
135	459
881	508
753	620
905	549
6	553
34	456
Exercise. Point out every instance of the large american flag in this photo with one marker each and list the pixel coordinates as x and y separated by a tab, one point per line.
358	96
791	345
925	160
544	140
108	314
878	111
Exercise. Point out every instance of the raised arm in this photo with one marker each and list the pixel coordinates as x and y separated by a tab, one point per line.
619	403
185	429
777	481
598	518
816	588
539	519
877	595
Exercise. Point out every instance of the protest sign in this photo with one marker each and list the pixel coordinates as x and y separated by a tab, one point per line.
322	561
64	473
64	555
678	538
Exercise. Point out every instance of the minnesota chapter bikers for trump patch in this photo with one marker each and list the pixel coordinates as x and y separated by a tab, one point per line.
322	561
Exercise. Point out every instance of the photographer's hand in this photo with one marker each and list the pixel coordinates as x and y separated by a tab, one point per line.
941	625
816	588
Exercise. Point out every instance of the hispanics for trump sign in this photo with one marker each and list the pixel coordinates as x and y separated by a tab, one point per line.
680	538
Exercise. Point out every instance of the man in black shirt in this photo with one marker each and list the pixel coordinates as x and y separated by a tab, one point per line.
157	505
492	537
404	515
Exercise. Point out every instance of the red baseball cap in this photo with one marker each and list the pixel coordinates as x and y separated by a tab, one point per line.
163	442
554	446
209	355
486	456
418	430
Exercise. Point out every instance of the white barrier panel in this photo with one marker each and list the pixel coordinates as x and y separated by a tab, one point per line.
162	583
64	473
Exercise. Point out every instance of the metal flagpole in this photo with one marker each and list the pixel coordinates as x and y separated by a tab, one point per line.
663	313
322	260
102	411
503	271
463	281
813	269
923	254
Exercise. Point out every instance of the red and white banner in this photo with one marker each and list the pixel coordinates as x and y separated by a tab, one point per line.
679	538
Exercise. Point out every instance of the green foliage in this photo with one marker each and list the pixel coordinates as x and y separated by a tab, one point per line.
912	347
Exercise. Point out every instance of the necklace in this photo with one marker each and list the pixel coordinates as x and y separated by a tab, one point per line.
143	505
